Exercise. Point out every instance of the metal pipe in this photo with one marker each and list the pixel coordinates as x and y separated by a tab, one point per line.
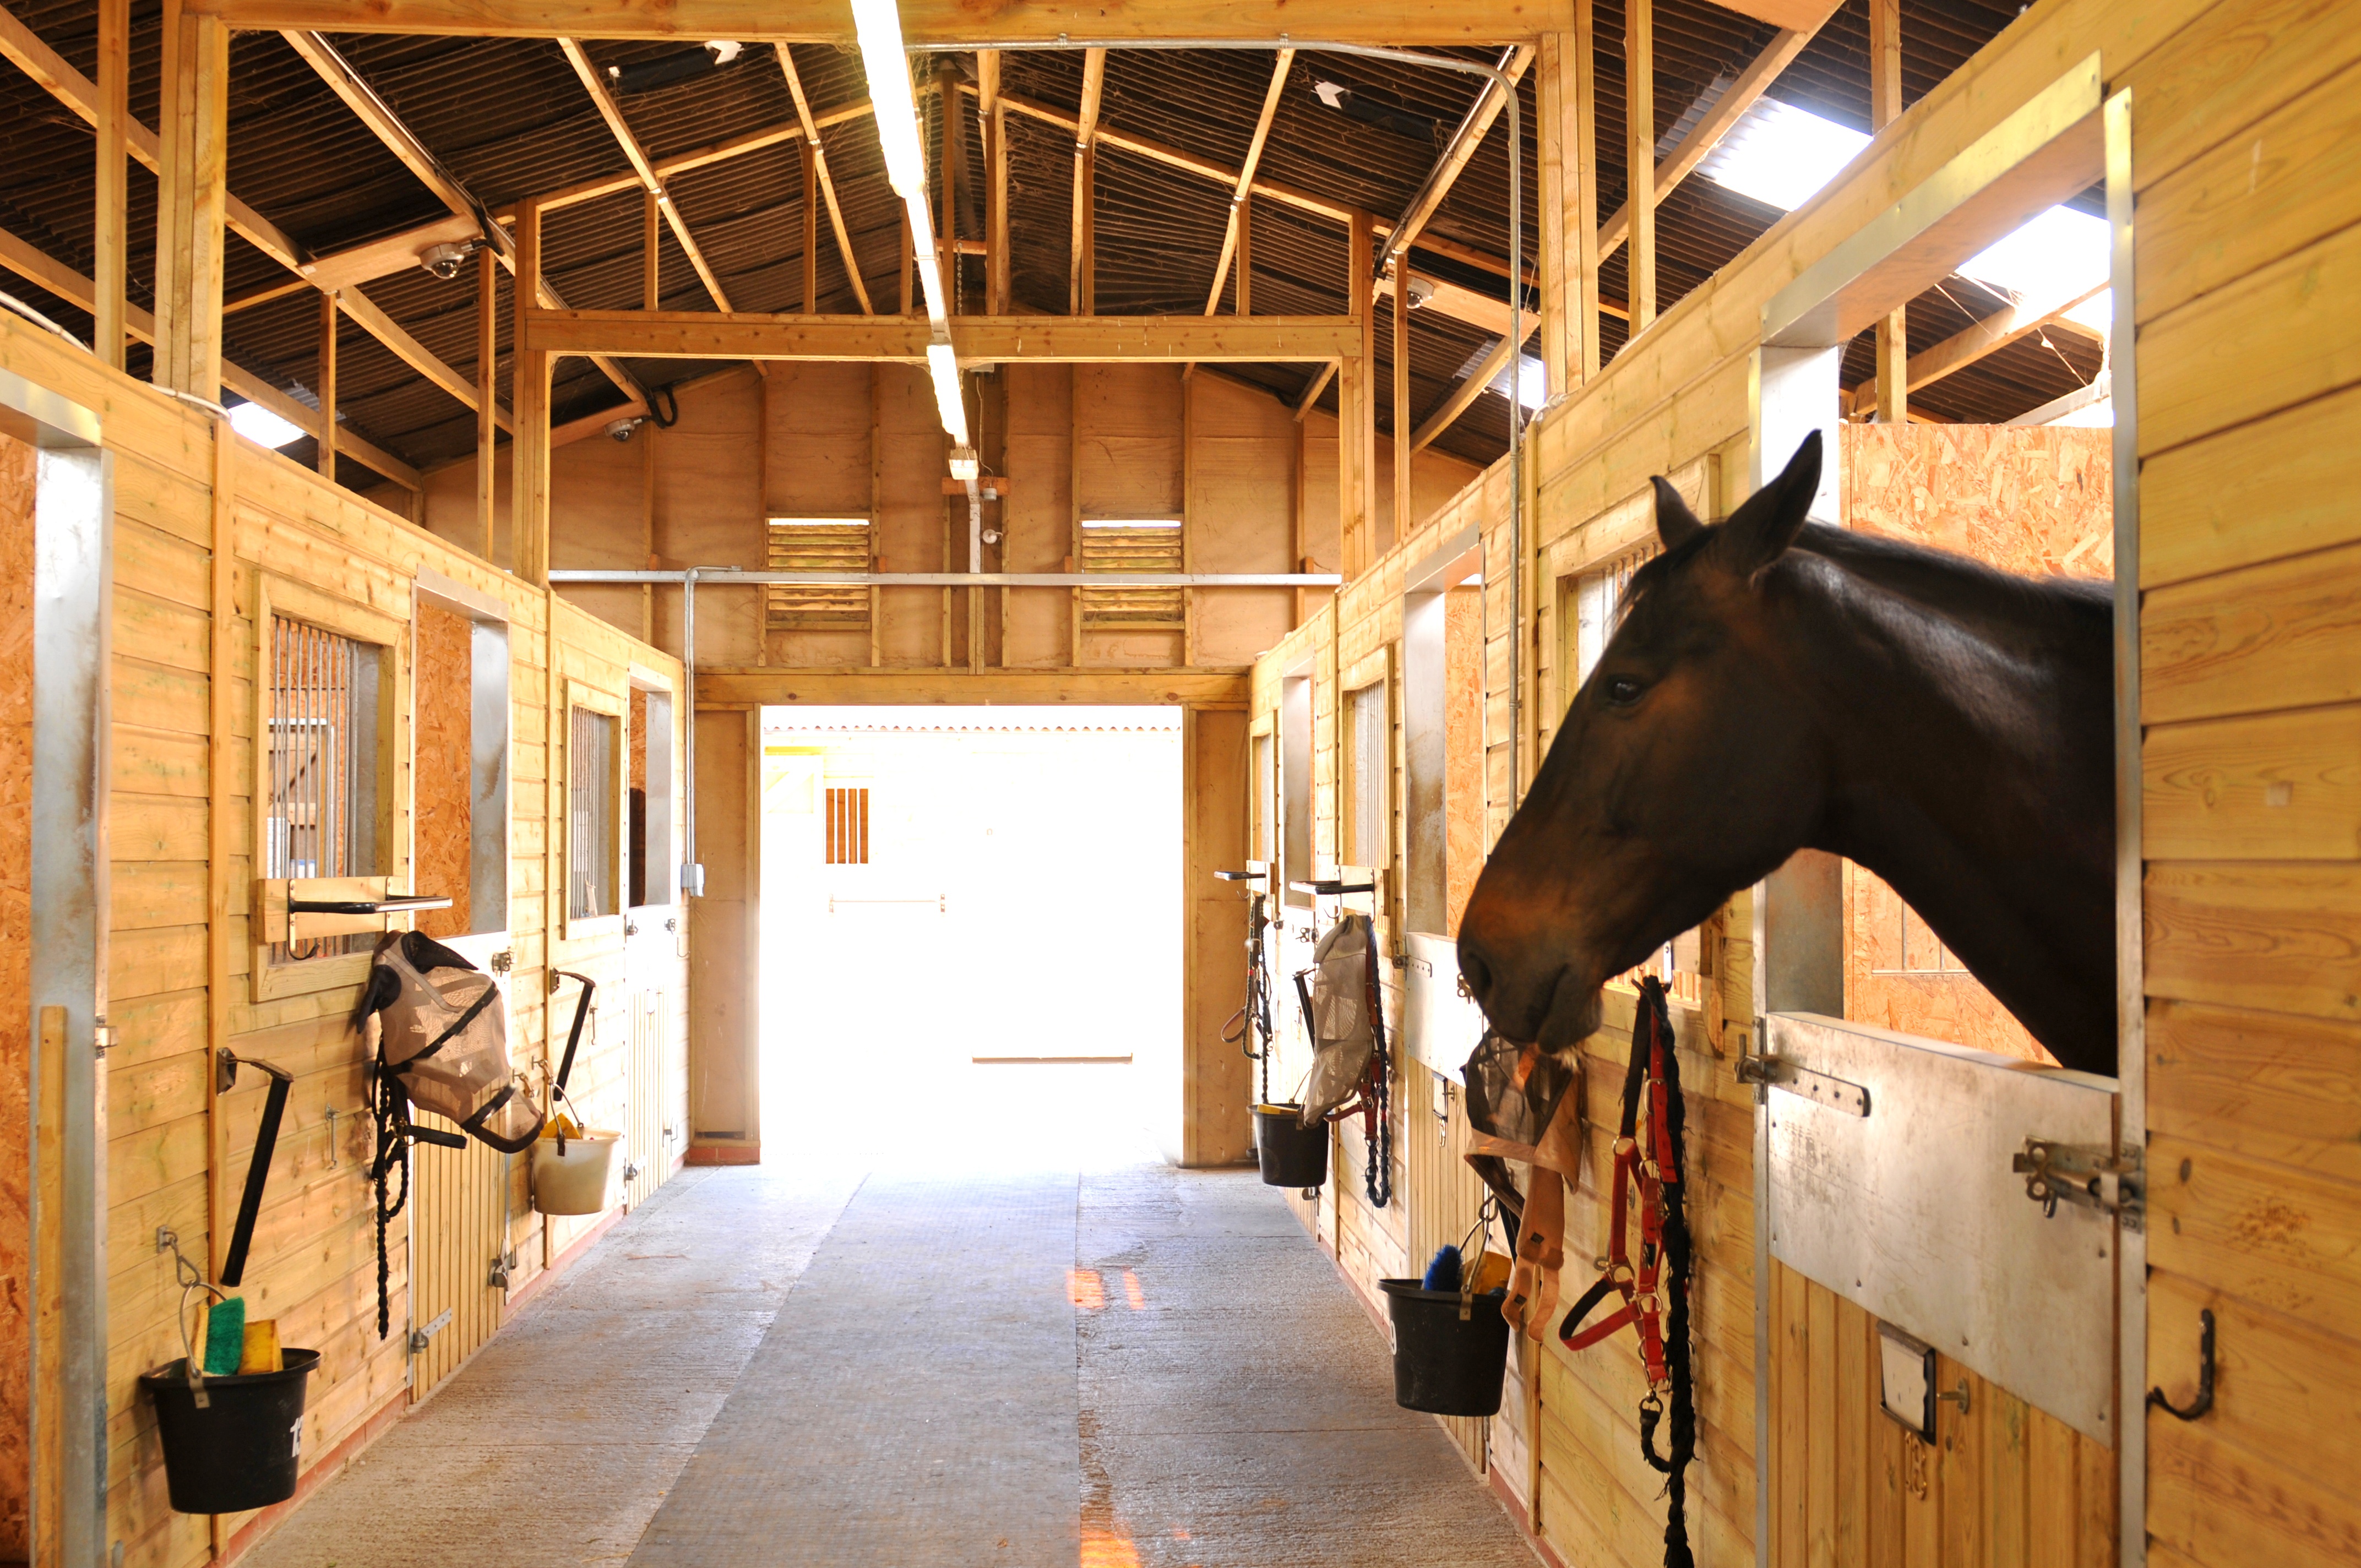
692	870
1399	240
731	576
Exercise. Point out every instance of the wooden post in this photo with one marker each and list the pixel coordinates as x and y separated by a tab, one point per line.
529	449
947	167
1356	411
1585	112
650	253
995	191
191	202
1082	265
1640	156
487	362
1554	148
1086	238
909	293
1243	207
108	275
1884	105
1402	513
648	434
811	234
327	386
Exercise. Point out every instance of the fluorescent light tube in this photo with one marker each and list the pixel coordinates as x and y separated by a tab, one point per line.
878	25
965	465
943	366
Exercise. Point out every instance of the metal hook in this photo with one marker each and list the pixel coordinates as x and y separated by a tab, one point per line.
2205	1400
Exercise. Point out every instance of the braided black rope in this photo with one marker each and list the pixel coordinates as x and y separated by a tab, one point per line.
1379	1179
1674	1281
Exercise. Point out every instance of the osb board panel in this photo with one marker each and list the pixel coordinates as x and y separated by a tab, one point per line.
817	441
2029	500
17	485
1127	440
444	733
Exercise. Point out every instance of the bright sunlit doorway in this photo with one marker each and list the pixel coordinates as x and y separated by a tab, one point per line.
971	932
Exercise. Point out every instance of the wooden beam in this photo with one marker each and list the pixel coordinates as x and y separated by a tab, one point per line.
487	359
373	111
701	335
1640	156
705	157
923	21
1490	312
1234	241
108	237
1402	447
1177	158
528	452
1080	279
1893	351
612	113
192	193
1319	384
1587	254
1988	337
324	386
1242	230
826	186
811	233
997	262
754	686
1556	137
1715	124
410	351
1356	414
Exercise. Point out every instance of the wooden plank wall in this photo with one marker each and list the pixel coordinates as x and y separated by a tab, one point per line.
178	1153
2248	230
2247	129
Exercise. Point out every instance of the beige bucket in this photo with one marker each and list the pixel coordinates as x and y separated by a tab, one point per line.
583	1179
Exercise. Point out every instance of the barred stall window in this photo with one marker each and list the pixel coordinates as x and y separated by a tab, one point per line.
817	544
1136	545
1598	603
848	827
1372	755
322	820
593	844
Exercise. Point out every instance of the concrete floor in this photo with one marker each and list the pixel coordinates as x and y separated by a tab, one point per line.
1047	1351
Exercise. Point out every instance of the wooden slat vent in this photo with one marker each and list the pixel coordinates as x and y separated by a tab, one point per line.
1132	546
817	544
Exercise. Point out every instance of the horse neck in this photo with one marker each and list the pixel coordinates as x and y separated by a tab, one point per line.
1949	735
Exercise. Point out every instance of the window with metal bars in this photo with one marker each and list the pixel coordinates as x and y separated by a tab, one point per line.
593	844
1599	604
1371	753
1144	545
817	544
322	817
847	825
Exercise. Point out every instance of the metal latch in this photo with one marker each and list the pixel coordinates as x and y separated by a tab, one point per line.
418	1337
504	961
503	1270
2107	1180
1836	1093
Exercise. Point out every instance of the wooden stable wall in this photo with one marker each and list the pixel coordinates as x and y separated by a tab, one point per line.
204	528
2249	234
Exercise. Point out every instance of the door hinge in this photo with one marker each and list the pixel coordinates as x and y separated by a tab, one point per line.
418	1337
2109	1181
1778	1072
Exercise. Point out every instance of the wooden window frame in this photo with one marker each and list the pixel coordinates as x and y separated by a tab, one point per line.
591	699
658	683
274	596
1372	671
435	590
1262	813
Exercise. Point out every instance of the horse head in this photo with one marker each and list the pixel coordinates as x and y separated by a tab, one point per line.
1647	812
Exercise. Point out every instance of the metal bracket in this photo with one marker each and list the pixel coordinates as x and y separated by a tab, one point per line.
503	1267
504	961
2109	1181
1836	1093
418	1337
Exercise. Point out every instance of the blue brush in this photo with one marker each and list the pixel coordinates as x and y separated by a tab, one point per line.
1443	1273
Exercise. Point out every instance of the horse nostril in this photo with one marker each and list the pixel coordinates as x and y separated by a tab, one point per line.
1473	970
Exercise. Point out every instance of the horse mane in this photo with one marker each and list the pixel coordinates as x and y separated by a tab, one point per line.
1952	586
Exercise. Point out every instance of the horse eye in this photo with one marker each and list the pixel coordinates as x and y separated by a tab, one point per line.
1623	691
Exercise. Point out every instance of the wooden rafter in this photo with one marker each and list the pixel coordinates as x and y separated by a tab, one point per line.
1988	337
1081	281
1312	393
1243	187
1640	158
46	271
923	21
612	113
826	186
1448	413
108	238
699	334
997	263
1447	174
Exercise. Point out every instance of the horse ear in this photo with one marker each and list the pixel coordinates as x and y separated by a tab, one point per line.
1759	532
1675	524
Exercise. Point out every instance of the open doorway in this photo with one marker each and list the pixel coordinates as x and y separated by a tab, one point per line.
972	930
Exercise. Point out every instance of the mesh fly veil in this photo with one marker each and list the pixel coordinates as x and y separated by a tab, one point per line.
444	1040
1336	1012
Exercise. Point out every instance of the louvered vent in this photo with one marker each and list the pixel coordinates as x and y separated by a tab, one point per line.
1143	546
819	544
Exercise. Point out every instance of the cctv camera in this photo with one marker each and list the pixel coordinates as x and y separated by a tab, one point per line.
443	260
622	429
1421	289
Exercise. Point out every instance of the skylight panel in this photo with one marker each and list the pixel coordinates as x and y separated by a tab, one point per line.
2056	255
1780	155
262	427
1532	376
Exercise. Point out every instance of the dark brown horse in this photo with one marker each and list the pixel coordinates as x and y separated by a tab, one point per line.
1777	686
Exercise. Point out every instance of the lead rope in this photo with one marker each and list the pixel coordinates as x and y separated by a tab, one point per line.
1656	1291
1377	1090
1253	1020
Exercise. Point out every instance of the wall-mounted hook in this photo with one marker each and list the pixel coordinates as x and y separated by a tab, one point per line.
2205	1400
1956	1396
329	1115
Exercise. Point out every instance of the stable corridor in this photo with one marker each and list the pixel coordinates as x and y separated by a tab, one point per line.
894	1344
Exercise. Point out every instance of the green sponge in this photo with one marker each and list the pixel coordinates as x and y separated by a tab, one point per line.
224	1337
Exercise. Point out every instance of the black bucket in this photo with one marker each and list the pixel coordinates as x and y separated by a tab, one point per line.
1442	1365
1292	1154
243	1451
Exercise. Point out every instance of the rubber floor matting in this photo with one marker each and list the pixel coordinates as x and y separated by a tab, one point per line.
914	1402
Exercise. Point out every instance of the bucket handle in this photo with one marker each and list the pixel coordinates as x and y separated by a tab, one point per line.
1480	1231
192	1277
